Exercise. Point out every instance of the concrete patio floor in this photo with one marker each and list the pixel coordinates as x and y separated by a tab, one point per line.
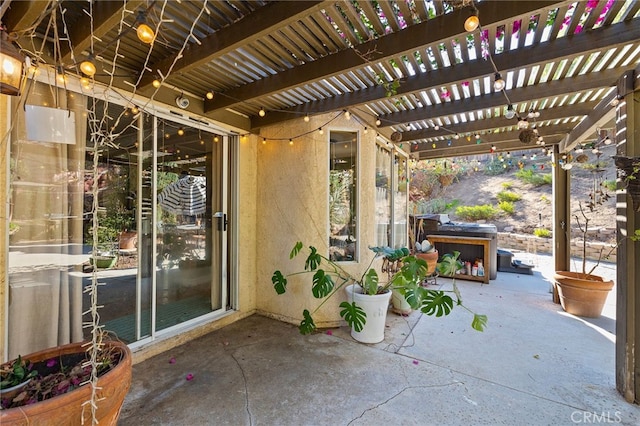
533	365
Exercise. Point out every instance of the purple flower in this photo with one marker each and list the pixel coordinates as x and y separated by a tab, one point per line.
172	360
189	377
415	362
329	332
52	362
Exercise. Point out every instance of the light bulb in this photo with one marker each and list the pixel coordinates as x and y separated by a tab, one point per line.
135	109
180	131
306	118
498	82
262	112
156	83
88	67
366	131
347	115
290	141
456	136
607	141
378	122
321	131
216	138
471	23
209	95
145	33
436	127
510	113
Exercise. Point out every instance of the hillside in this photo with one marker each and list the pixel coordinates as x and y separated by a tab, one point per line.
534	209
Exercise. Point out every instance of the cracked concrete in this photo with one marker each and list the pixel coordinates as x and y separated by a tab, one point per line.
534	365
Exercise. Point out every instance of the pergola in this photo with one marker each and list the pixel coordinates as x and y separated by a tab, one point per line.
407	69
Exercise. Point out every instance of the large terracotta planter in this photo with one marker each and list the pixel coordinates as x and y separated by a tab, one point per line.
582	294
68	409
431	259
375	307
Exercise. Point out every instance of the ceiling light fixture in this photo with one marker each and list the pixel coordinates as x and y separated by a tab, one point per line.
10	67
262	112
210	94
181	131
144	31
156	83
498	82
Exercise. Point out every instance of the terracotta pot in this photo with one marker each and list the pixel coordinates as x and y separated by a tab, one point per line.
128	240
581	294
431	259
68	409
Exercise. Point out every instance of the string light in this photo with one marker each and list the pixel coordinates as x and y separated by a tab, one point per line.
144	31
472	22
378	122
209	95
180	131
290	141
320	131
347	115
156	83
509	113
306	118
262	112
88	67
498	82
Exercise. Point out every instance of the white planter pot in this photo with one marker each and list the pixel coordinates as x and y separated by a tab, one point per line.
399	304
375	307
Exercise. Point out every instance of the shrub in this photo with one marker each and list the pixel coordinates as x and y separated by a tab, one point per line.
507	185
542	233
610	184
545	199
495	167
507	206
531	177
484	211
508	196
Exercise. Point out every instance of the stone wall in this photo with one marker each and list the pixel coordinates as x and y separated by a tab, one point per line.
533	244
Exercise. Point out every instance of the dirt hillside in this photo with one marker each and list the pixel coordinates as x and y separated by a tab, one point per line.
534	210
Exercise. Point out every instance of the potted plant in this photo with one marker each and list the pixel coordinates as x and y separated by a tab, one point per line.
14	376
583	293
367	298
58	389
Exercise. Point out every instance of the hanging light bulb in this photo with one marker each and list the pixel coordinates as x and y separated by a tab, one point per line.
262	112
523	123
456	136
135	110
10	67
306	118
510	113
156	83
347	115
472	22
366	130
88	67
531	114
144	31
321	131
607	141
180	131
290	141
378	122
216	139
264	141
209	94
498	82
436	127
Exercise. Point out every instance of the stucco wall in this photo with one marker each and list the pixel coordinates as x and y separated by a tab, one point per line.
247	213
292	202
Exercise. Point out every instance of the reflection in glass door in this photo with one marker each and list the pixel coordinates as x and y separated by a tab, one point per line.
190	224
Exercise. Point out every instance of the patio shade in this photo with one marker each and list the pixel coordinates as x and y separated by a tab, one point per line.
187	196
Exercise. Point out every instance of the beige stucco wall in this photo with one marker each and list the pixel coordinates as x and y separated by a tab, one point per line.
292	205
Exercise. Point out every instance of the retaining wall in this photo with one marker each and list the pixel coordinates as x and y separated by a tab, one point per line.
533	244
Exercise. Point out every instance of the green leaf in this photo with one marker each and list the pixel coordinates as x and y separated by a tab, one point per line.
307	326
449	264
437	303
415	296
371	282
322	284
313	260
354	315
479	322
295	250
414	269
279	282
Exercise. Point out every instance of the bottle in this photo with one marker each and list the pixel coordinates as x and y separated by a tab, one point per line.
480	269
474	271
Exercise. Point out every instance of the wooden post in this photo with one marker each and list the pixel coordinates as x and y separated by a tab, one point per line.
561	218
628	277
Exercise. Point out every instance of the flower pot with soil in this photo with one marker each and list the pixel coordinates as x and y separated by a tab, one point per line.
60	393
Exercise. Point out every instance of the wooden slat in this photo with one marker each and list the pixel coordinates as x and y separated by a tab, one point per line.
594	15
557	23
613	12
346	29
250	28
354	19
577	15
294	49
307	34
390	14
328	32
405	11
373	17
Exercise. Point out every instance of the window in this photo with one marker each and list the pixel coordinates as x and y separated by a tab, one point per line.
391	197
343	195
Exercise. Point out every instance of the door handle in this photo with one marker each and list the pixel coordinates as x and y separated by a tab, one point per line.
222	224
